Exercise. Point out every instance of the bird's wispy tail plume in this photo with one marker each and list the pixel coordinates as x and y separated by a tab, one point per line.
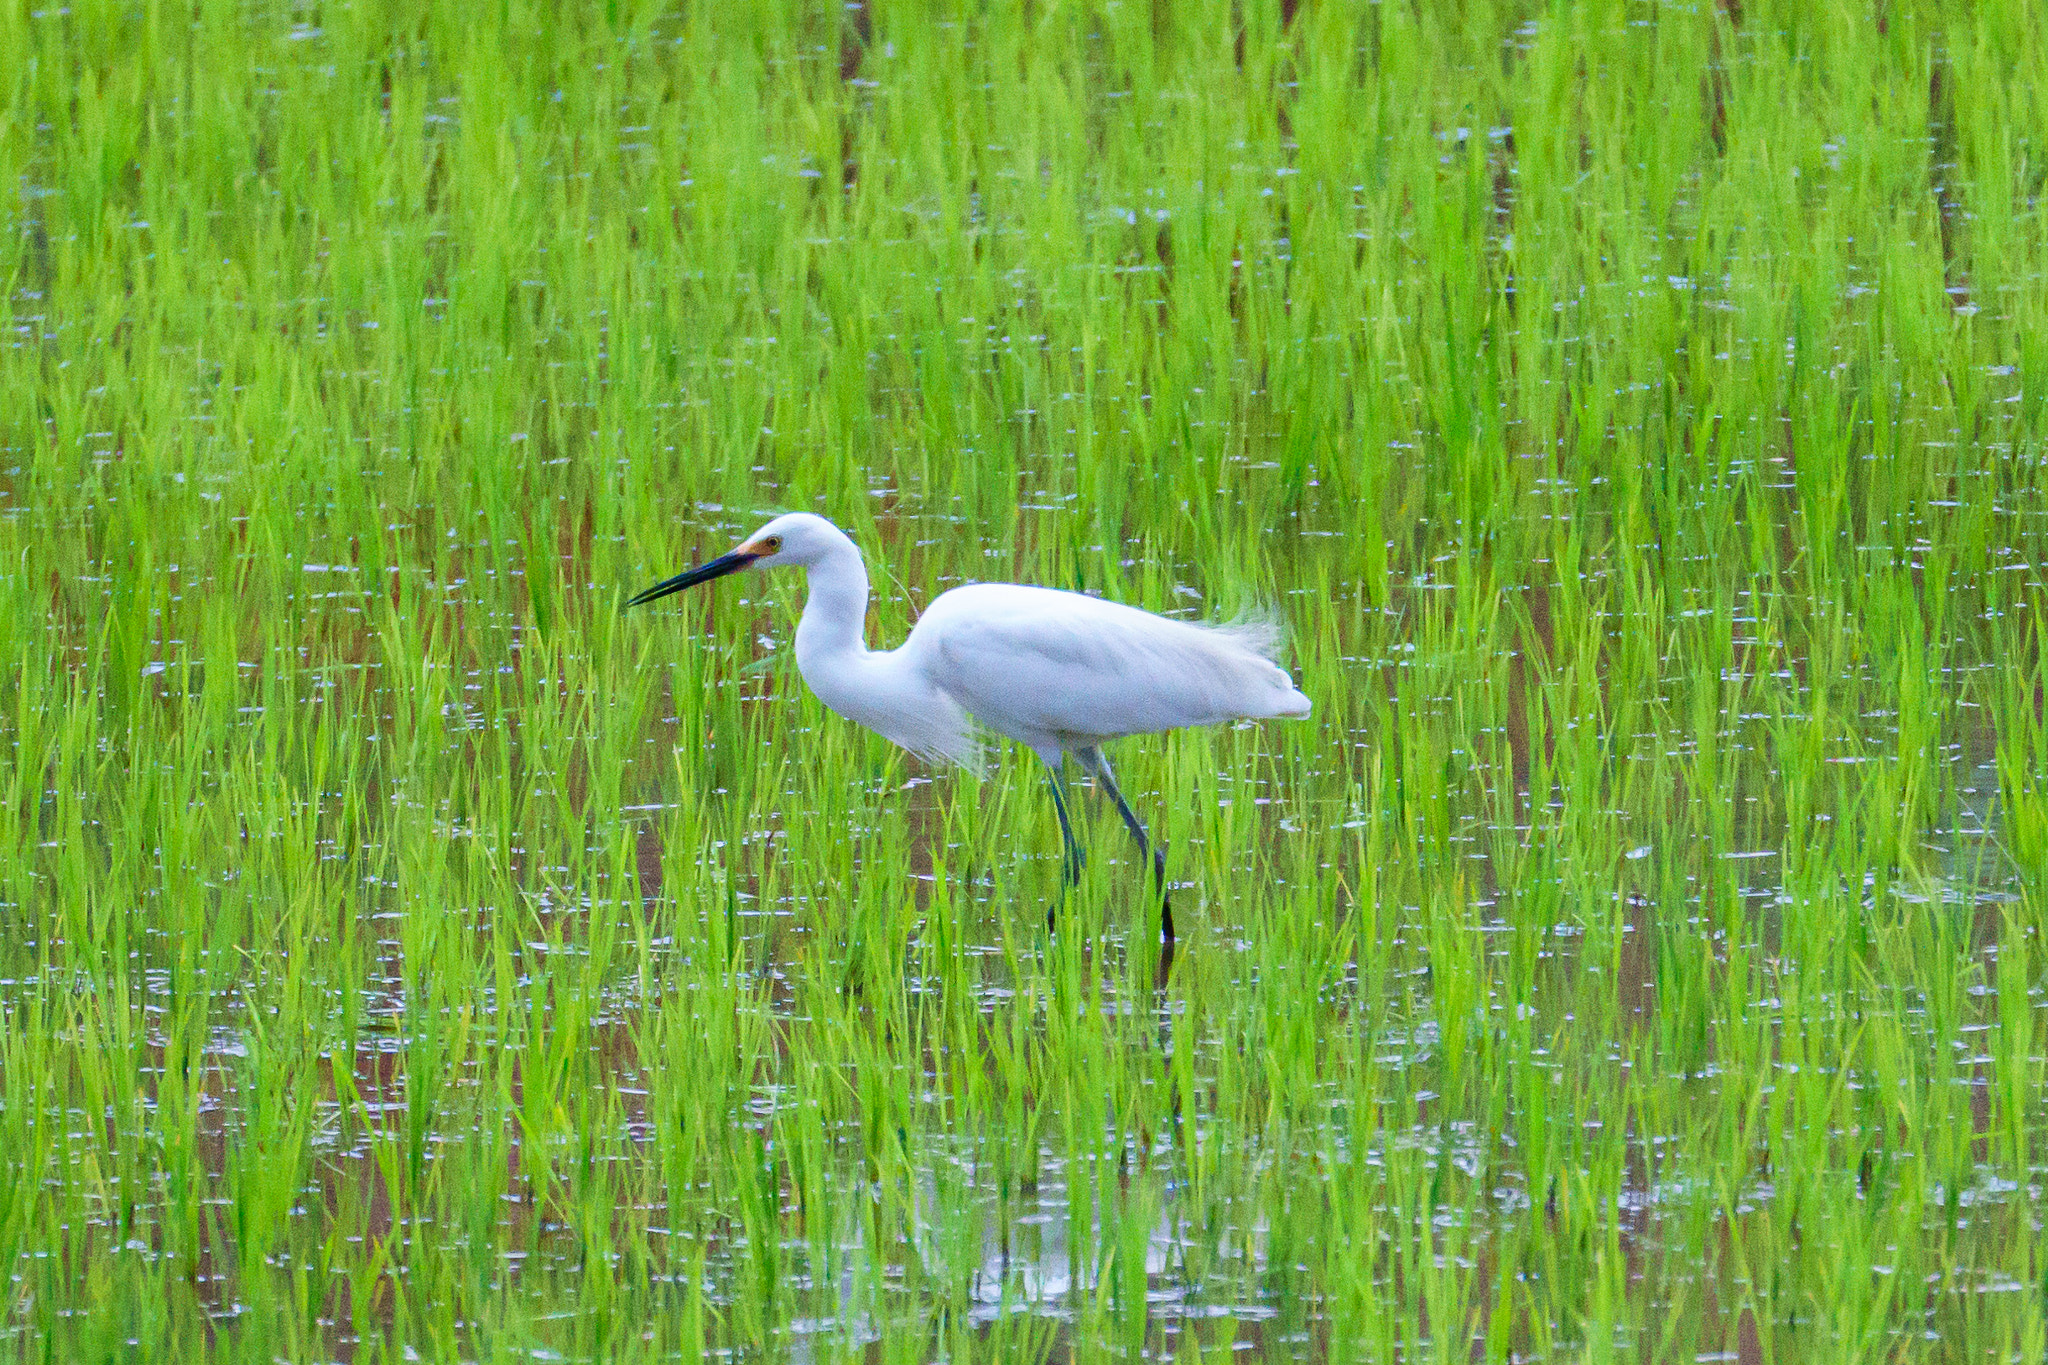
1259	630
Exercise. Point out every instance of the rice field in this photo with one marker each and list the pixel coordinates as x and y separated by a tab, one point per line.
1635	412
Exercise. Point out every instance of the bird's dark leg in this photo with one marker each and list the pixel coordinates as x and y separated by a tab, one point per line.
1098	767
1070	874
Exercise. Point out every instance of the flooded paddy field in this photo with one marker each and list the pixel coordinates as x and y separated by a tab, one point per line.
1634	411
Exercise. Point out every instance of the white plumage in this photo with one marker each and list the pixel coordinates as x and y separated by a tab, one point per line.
1058	671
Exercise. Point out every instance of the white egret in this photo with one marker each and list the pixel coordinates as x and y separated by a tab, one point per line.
1060	672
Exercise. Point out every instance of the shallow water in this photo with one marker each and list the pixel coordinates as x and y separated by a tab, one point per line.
1638	953
1051	1231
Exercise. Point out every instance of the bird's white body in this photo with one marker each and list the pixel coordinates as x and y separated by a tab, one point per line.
1057	671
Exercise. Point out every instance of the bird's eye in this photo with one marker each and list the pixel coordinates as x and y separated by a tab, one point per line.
771	545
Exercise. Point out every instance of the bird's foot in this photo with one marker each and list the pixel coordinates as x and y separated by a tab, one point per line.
1165	889
1070	877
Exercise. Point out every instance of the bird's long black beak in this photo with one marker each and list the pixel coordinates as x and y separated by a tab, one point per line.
690	578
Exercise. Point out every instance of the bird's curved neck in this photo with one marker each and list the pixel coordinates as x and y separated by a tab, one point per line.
836	607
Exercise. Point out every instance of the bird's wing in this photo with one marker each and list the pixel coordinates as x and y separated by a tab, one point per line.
1037	662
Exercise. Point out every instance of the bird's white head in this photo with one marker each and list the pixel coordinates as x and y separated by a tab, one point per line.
798	538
